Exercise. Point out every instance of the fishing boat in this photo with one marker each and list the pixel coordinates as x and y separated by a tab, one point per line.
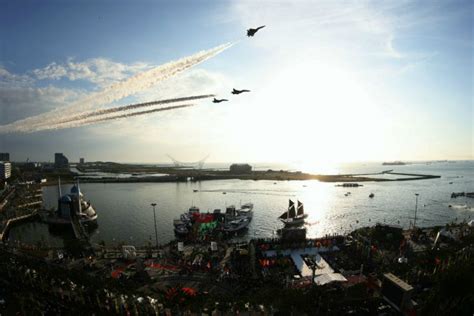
236	226
293	217
232	213
246	211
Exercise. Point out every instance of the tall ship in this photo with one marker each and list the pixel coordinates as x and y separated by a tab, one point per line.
71	206
293	217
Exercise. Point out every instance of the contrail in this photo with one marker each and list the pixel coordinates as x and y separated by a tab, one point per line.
132	85
108	118
89	114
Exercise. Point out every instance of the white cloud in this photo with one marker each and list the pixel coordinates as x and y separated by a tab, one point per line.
9	79
187	125
100	71
18	101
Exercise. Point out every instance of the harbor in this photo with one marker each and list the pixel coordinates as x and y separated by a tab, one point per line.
199	158
211	247
330	209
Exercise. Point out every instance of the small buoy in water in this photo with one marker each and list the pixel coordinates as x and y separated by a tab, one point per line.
450	205
371	195
357	221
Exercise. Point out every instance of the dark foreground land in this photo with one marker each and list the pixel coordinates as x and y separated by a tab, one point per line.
243	278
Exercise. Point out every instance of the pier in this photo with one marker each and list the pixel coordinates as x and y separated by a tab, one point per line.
79	230
6	228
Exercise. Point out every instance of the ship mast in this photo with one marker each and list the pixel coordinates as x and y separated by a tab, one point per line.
79	197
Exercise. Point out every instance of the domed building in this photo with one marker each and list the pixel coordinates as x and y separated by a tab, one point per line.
73	204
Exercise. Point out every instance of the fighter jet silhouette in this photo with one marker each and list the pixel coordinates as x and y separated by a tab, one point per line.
234	91
219	100
251	32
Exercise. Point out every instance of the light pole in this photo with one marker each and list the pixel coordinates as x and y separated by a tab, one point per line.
154	216
416	208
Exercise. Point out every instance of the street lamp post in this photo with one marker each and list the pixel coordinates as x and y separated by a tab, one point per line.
154	216
416	208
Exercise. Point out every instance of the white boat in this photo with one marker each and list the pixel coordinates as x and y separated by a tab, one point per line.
294	217
246	211
72	205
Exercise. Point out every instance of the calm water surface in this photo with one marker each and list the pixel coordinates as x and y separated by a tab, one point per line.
125	213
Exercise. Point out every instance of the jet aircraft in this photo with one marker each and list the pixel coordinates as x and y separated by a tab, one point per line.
235	91
251	32
219	100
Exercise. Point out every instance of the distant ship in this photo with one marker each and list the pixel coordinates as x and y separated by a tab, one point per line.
394	163
72	205
293	217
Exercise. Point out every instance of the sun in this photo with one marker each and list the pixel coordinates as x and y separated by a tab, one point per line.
317	114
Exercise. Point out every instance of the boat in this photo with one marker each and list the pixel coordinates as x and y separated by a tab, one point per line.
72	205
293	217
371	195
246	211
232	221
349	185
195	190
236	226
232	213
181	230
193	210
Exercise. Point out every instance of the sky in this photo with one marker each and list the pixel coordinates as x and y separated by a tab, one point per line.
330	81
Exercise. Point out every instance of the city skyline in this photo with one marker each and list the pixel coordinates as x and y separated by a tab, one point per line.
330	82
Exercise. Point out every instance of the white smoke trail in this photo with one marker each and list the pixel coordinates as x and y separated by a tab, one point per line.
85	122
89	114
132	85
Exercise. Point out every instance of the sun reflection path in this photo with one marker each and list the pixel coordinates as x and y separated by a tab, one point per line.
318	199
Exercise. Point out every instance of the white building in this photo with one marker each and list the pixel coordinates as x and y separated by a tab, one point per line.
5	170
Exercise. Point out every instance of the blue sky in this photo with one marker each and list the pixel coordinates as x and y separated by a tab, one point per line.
337	80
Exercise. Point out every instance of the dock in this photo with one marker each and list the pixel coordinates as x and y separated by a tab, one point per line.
79	230
6	229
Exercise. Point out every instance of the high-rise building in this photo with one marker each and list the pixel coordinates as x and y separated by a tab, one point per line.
4	156
60	161
5	170
81	160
